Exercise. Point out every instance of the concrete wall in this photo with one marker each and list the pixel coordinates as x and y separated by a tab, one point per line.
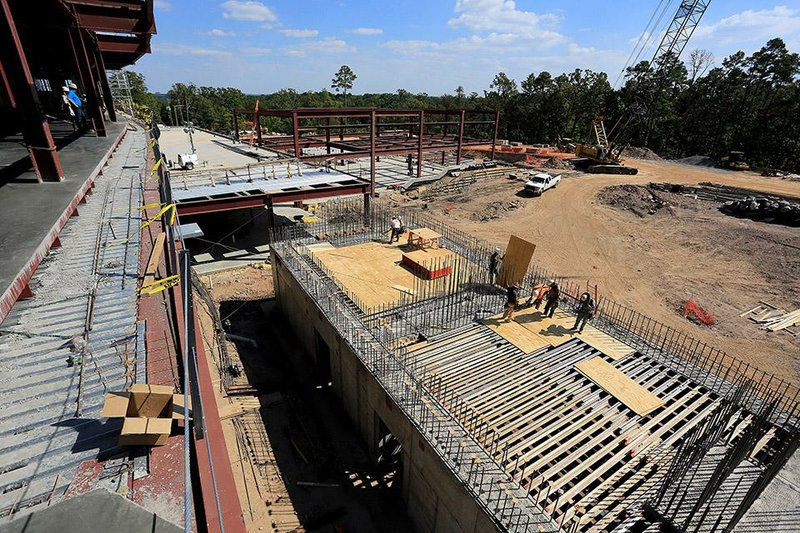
436	499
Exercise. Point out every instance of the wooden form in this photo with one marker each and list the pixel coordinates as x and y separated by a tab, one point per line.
607	344
429	264
422	238
620	386
555	429
155	257
371	272
515	261
531	330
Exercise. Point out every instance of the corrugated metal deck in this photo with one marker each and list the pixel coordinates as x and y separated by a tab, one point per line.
42	442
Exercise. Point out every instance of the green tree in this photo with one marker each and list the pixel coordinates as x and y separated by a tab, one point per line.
343	81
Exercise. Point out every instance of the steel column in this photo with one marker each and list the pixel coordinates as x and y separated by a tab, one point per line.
23	96
92	100
419	144
496	126
236	126
296	135
101	75
372	134
460	137
257	126
328	135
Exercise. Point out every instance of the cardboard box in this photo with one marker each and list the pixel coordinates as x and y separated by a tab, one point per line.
148	411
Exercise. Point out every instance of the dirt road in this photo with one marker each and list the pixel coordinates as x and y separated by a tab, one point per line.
654	263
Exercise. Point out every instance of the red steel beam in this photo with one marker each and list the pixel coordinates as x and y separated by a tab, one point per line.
460	137
372	134
23	96
420	134
83	65
235	203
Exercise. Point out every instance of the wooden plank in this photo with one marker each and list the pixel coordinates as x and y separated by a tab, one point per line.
620	386
154	259
517	335
607	344
516	261
403	289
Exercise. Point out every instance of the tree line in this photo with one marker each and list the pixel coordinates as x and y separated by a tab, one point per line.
748	103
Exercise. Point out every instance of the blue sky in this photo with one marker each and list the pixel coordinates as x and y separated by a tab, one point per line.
424	46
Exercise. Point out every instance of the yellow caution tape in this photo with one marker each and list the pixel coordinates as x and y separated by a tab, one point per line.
164	209
155	167
160	284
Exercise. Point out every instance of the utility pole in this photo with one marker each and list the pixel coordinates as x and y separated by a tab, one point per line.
189	128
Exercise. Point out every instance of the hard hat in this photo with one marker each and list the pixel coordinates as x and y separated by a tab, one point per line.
65	88
497	250
73	86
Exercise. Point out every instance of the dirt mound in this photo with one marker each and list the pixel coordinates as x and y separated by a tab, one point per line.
698	161
496	210
558	164
637	199
641	152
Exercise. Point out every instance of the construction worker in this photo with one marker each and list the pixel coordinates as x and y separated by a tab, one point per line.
494	265
537	294
585	311
511	302
77	105
552	297
397	228
68	105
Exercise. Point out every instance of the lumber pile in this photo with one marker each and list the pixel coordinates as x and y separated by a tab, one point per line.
771	318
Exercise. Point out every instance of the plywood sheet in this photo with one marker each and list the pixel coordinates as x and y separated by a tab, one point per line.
556	331
516	334
516	260
613	348
371	273
620	386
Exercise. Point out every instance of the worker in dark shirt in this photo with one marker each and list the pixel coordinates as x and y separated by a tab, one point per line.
511	302
494	265
585	311
552	296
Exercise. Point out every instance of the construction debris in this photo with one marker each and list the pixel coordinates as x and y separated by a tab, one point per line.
496	210
772	318
764	208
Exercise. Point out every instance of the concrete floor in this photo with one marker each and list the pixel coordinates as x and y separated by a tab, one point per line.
28	210
214	150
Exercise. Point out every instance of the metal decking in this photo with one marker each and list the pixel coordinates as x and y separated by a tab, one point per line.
42	442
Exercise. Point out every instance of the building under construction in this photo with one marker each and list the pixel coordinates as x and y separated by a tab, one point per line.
525	425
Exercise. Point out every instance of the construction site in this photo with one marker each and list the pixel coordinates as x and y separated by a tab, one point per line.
340	326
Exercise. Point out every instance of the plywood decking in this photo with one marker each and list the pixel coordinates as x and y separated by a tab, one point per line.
620	386
607	344
566	439
372	273
531	330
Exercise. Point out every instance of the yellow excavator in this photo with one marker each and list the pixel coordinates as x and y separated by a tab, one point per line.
734	161
602	157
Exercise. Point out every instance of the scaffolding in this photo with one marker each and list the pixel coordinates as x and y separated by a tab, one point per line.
120	91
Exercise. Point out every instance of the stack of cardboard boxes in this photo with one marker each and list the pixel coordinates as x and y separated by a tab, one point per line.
148	411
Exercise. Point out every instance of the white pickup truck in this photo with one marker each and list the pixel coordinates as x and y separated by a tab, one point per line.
540	182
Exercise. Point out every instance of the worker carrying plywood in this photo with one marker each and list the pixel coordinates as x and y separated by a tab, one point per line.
585	311
494	265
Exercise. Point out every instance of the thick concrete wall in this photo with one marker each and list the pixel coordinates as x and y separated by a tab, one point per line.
436	499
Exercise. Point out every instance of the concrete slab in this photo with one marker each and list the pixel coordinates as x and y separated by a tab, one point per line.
29	211
98	510
216	150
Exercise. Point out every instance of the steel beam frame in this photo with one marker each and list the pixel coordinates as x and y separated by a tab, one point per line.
18	81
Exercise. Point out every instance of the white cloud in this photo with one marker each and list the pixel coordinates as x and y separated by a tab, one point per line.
163	5
216	32
256	51
328	45
367	31
300	34
752	26
248	10
503	16
188	50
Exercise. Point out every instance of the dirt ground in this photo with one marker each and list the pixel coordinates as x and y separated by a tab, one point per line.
296	459
652	261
